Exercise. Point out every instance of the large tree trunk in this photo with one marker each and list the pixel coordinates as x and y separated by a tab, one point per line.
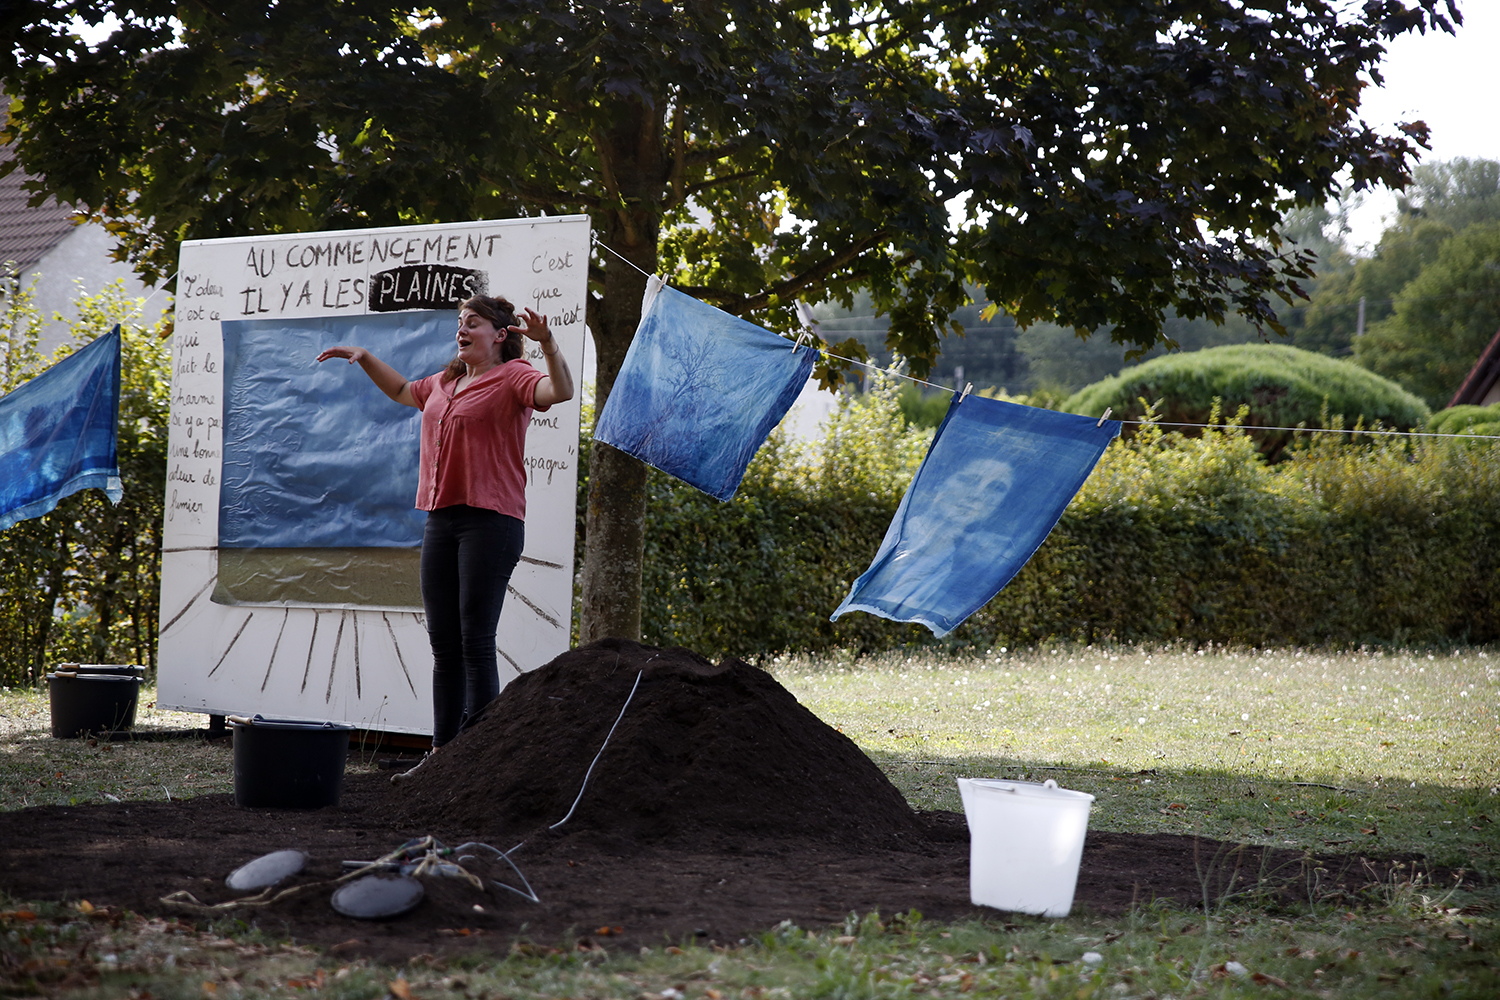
615	523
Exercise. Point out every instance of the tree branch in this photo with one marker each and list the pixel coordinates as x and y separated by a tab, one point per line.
678	153
607	177
542	196
727	178
713	154
792	285
903	37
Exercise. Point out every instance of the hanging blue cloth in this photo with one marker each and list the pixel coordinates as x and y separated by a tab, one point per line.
699	392
992	486
58	433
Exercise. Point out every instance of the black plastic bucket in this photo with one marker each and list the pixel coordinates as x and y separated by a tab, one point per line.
92	702
107	669
281	764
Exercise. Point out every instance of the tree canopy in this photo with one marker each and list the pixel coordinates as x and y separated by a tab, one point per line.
1095	167
1458	193
1441	319
1428	289
1331	320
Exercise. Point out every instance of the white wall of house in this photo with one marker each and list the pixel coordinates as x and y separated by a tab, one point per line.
81	265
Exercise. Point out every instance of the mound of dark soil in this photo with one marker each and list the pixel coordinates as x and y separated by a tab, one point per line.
700	750
719	807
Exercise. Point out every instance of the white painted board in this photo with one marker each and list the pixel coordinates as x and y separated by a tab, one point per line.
364	664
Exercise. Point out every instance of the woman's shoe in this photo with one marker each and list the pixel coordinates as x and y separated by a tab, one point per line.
401	776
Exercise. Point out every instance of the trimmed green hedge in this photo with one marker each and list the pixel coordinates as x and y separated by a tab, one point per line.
1281	386
1173	538
1483	420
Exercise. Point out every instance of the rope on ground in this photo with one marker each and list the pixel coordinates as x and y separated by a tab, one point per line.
184	900
611	732
403	859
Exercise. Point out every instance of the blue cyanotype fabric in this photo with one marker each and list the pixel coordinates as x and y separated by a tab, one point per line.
315	456
58	432
699	391
993	484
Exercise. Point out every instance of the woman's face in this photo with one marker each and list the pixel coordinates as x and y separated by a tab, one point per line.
478	340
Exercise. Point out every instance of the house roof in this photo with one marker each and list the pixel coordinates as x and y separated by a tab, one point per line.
1482	377
28	232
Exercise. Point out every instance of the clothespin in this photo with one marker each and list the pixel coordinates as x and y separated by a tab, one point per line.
804	335
968	388
1104	417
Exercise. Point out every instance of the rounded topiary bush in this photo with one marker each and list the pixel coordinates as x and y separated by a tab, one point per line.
1467	420
1281	387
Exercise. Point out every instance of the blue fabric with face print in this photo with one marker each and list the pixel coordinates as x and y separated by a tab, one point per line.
992	486
58	432
315	456
699	392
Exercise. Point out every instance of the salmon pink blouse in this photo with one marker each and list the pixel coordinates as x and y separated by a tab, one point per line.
474	441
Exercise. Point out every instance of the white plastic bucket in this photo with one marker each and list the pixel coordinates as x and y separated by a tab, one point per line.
1025	843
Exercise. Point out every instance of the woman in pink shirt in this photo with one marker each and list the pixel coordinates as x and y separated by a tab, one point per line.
472	483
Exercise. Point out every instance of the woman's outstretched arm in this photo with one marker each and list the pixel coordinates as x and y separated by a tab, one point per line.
386	378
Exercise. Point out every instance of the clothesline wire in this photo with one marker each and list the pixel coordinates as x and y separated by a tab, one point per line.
890	371
594	236
1328	430
1174	423
159	289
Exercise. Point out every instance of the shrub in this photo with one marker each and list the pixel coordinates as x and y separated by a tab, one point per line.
83	582
1190	538
1281	386
1482	420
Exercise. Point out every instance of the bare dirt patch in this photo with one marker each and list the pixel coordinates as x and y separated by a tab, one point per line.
719	808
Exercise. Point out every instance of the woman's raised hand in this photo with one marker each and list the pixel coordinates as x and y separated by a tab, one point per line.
386	378
350	354
533	325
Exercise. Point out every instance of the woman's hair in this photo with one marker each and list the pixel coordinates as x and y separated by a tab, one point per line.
502	315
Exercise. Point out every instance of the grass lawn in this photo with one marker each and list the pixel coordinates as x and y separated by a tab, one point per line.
36	769
1379	753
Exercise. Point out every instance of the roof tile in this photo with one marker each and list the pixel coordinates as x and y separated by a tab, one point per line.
28	232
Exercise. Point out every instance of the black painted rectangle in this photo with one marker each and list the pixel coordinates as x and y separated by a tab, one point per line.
425	286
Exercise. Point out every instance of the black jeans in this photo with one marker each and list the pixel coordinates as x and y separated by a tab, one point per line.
468	554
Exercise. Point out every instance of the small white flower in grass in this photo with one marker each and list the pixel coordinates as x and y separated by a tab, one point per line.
1244	716
1092	958
1141	721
